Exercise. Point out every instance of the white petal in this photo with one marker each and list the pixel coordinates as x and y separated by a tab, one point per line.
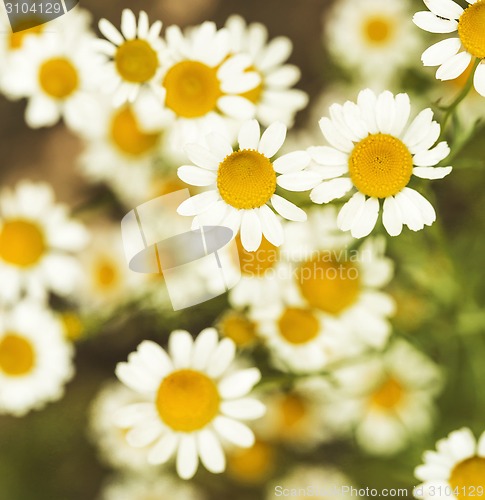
249	135
334	138
419	128
479	79
283	77
300	181
431	156
240	83
481	445
163	449
403	110
204	346
187	459
444	8
366	221
221	358
198	203
251	232
239	384
143	25
210	452
155	358
234	65
244	409
276	53
350	211
327	156
219	145
234	431
291	162
236	107
110	32
201	156
272	139
180	348
142	436
41	111
440	52
366	101
134	414
454	66
427	21
196	176
432	172
271	226
287	209
331	190
385	112
427	211
391	217
128	24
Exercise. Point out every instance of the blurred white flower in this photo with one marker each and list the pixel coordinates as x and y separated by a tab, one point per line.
196	401
35	359
37	240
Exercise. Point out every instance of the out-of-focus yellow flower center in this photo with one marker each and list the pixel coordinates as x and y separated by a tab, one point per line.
254	95
17	355
106	274
378	30
293	410
73	326
252	465
136	61
388	395
127	135
471	29
246	179
329	285
16	40
187	400
22	243
298	326
192	89
467	476
380	165
238	327
58	77
254	264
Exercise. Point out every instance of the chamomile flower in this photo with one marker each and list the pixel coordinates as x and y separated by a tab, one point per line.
374	38
37	240
238	327
388	400
54	72
453	55
132	58
242	183
195	401
455	470
35	359
202	86
375	153
274	98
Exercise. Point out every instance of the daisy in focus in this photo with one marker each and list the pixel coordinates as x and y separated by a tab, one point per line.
454	55
274	98
455	470
242	183
37	240
35	359
196	400
374	152
374	38
132	58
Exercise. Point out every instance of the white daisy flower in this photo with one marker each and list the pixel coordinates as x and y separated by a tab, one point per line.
36	240
274	98
35	359
373	151
387	400
146	488
243	183
194	401
375	38
54	72
201	86
453	55
133	57
455	470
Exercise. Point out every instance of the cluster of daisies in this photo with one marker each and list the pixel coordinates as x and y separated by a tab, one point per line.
210	108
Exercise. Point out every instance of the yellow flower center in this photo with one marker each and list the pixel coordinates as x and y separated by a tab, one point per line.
22	243
298	326
246	179
126	134
380	165
73	326
471	29
254	95
293	410
17	355
106	274
58	77
187	400
252	465
256	263
192	89
378	30
388	395
467	476
238	327
136	61
329	285
30	27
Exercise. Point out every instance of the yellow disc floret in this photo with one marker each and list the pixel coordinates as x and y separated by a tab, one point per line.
329	285
187	400
136	61
467	476
471	29
192	88
22	243
380	165
17	356
298	326
246	179
388	394
58	77
238	327
378	30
